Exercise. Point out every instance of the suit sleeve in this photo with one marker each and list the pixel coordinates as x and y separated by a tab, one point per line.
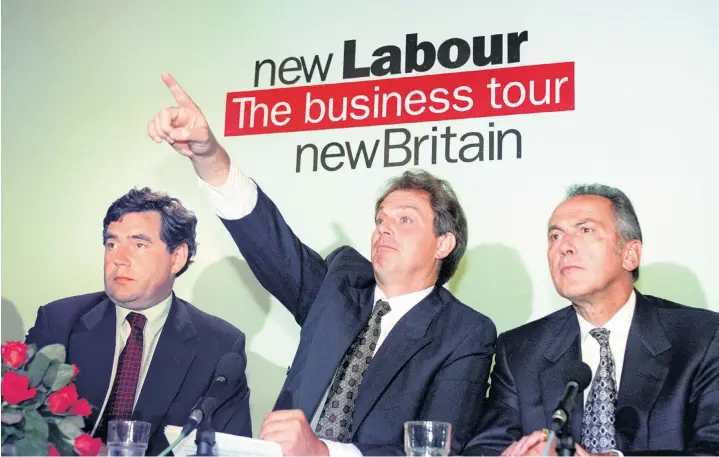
500	422
703	432
458	391
233	414
705	403
41	334
289	270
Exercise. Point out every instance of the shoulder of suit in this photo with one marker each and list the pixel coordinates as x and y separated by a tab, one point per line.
344	255
76	302
204	321
346	263
454	304
534	330
673	307
681	316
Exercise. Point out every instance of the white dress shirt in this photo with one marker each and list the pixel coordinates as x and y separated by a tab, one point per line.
156	317
235	199
618	327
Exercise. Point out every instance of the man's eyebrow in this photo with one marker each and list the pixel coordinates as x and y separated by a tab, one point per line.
142	237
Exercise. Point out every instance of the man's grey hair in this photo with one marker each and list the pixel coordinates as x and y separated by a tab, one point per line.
625	218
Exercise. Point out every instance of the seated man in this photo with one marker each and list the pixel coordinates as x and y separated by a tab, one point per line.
655	364
138	334
382	341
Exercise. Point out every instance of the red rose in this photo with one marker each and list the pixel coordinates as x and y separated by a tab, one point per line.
87	445
15	388
52	450
60	401
81	408
14	353
75	370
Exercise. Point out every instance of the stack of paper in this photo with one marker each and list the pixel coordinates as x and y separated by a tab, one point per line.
224	444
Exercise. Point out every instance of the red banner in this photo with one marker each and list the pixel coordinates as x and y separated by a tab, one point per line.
402	100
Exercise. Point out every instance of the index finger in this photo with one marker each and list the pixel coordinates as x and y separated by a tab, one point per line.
284	414
529	442
178	92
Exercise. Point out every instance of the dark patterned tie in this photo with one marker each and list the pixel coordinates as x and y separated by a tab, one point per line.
336	419
122	397
598	434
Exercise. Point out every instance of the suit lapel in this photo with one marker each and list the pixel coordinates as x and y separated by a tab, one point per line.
338	327
407	337
564	350
92	347
170	363
646	363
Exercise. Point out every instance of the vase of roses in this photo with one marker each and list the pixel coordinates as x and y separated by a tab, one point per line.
42	413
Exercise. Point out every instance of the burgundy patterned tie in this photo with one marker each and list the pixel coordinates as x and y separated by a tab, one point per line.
122	397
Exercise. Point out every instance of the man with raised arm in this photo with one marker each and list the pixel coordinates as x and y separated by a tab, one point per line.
382	341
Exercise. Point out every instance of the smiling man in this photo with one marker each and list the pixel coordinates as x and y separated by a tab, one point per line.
143	353
655	363
382	341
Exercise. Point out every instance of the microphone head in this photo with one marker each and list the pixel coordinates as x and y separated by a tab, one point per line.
580	373
230	367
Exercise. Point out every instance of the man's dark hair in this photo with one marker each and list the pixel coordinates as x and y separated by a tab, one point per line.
178	224
448	214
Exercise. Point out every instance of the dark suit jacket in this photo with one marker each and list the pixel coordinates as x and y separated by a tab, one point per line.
668	394
182	367
434	364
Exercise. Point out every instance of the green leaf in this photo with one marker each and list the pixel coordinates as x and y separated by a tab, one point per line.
20	372
70	429
79	421
35	423
58	376
32	444
8	431
34	402
31	351
64	445
54	352
11	417
50	417
37	369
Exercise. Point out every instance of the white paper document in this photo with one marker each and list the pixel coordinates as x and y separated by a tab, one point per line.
224	444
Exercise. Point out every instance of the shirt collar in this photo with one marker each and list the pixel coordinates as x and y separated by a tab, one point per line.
618	325
156	315
402	303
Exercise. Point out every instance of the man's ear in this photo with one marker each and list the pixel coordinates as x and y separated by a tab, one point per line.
445	245
179	258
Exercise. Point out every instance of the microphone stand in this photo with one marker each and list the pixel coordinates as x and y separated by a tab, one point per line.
565	441
205	438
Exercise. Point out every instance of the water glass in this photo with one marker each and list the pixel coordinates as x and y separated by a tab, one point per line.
127	438
427	438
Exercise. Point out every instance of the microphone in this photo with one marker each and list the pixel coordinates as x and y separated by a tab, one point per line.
579	376
228	370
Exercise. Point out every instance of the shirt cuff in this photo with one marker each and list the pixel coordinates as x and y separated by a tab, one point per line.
341	449
234	199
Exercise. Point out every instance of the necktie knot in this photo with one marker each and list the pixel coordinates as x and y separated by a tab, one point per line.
137	321
381	308
601	335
